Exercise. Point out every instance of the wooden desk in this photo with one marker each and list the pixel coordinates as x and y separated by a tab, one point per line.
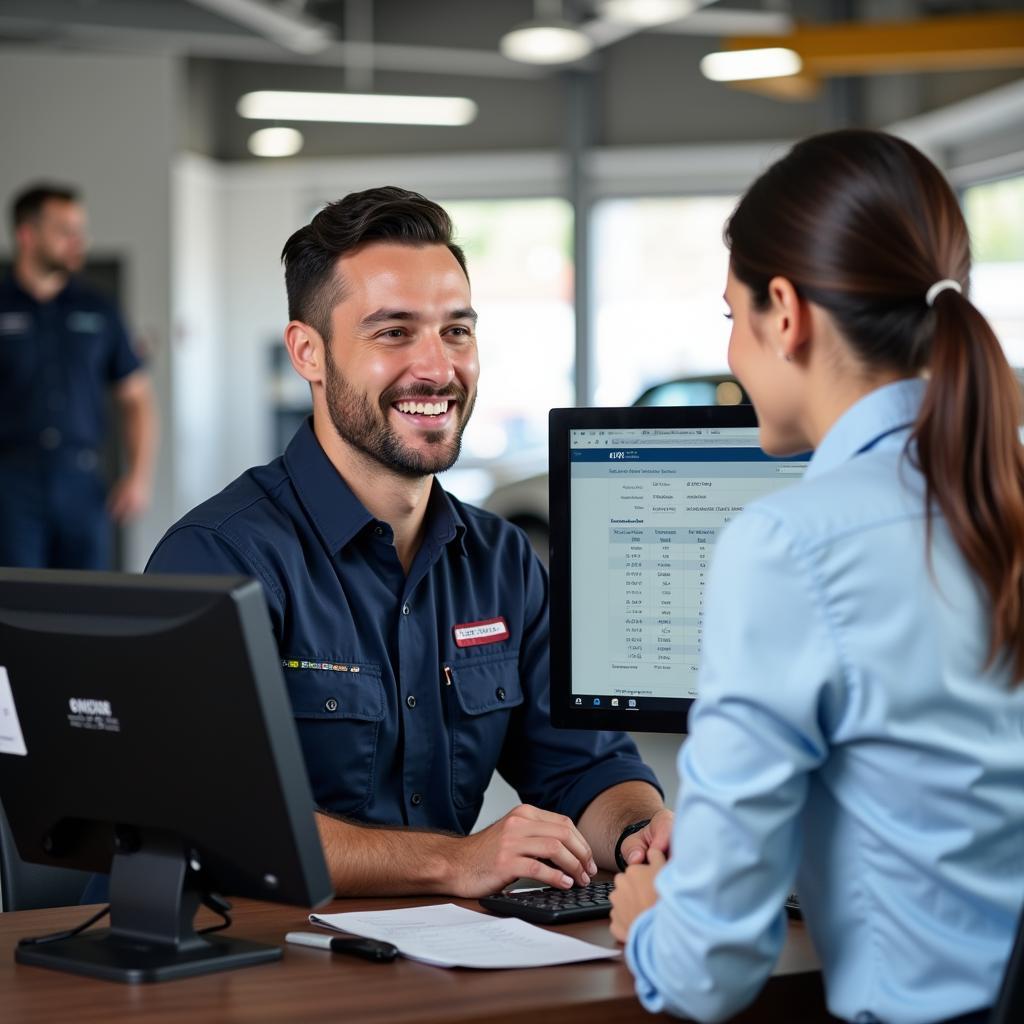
312	985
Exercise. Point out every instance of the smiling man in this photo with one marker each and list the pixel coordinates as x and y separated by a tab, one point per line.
412	628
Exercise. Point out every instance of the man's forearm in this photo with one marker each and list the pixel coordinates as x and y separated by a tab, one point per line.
611	811
138	427
370	861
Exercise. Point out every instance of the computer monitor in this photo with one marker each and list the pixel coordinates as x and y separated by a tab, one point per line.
145	730
638	497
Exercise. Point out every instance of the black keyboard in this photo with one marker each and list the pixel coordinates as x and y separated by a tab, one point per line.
552	906
793	906
560	906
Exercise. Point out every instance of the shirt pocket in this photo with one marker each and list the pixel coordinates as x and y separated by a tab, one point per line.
338	714
18	352
485	691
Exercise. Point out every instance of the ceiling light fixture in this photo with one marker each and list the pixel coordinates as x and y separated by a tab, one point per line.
359	108
550	38
744	65
647	12
545	42
275	142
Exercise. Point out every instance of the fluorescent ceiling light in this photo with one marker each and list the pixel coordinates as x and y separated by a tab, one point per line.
545	42
275	142
289	28
361	108
647	12
742	65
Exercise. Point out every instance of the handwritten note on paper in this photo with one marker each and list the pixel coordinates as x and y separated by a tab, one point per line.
449	936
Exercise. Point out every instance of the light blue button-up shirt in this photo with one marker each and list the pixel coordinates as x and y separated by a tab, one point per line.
849	739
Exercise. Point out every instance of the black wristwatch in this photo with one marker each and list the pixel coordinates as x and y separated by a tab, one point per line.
626	833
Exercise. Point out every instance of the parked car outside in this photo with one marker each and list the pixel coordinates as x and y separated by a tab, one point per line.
525	502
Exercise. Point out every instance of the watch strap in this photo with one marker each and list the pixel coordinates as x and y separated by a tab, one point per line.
625	834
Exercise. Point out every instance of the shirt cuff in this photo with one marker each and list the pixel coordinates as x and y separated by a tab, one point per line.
595	781
638	959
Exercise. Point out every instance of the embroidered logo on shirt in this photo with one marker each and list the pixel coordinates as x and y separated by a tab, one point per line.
86	323
14	323
486	631
320	666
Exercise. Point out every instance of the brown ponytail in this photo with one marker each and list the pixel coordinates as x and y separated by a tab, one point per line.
863	224
971	458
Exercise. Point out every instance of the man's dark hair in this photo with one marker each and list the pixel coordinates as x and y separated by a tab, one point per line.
387	214
28	205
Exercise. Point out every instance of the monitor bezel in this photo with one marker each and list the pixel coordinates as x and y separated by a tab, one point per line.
217	799
564	714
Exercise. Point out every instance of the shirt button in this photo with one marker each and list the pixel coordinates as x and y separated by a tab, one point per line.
331	704
410	701
405	609
416	799
500	693
50	438
379	530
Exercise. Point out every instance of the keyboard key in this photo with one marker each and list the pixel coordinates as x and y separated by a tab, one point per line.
553	906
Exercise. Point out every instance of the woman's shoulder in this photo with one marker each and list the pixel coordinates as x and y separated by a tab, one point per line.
867	491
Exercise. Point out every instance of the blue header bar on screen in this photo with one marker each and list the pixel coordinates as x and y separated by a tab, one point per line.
694	454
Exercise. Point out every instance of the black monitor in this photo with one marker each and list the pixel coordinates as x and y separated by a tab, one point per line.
638	497
145	731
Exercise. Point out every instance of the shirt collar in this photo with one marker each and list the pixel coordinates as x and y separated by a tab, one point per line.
11	281
338	515
444	521
886	410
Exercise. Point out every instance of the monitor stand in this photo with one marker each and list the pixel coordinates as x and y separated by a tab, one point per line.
153	900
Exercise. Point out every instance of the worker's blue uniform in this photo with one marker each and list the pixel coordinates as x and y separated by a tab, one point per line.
57	360
408	690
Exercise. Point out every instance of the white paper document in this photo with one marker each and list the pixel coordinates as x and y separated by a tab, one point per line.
11	739
449	936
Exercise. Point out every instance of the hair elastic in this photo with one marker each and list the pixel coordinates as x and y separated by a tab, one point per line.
941	286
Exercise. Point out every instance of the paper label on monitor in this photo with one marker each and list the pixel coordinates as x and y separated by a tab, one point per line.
11	739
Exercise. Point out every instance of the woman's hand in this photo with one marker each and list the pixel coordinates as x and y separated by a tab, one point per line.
634	892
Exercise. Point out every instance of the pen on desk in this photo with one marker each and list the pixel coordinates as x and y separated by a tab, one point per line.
368	949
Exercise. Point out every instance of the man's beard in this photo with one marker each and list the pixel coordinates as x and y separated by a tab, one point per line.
49	264
368	430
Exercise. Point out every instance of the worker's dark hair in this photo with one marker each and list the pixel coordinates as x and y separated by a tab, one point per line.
28	204
386	214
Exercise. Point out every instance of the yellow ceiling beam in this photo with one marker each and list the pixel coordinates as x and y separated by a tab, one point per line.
953	43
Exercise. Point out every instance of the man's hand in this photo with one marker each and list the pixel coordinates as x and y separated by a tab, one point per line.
655	836
128	498
518	846
634	892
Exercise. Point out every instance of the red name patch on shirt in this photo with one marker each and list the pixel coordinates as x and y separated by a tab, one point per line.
486	631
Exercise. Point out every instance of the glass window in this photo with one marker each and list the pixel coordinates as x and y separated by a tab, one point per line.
519	253
659	273
995	217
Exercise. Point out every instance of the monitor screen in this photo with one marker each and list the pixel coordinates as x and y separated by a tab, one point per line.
638	497
145	731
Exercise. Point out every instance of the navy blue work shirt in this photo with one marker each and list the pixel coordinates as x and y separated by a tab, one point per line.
402	713
57	359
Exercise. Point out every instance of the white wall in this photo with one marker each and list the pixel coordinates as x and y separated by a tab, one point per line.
198	429
106	124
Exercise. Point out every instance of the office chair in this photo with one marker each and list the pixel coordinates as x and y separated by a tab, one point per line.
1009	1006
26	886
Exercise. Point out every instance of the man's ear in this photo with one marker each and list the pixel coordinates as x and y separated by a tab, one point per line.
306	350
788	319
25	234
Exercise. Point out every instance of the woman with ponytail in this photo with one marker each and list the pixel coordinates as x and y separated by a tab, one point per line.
860	727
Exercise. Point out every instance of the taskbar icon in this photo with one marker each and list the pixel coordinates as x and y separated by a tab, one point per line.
616	703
